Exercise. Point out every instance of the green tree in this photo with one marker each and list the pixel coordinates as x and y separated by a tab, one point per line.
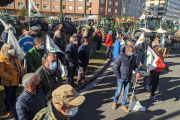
23	12
5	2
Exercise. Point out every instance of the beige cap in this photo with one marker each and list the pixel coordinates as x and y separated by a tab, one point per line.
66	94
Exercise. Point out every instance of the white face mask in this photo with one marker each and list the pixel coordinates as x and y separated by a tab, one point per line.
75	42
41	47
86	43
11	51
73	112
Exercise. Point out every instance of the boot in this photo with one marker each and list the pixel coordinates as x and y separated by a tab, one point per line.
125	109
114	106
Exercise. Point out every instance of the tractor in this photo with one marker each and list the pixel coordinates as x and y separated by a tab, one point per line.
69	26
88	27
9	19
37	20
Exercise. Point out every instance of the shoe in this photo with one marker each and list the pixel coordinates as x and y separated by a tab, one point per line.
125	109
148	94
154	99
114	106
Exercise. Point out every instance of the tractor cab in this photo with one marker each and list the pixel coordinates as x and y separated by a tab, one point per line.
125	26
152	23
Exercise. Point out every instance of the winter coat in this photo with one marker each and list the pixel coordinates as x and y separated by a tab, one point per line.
71	55
21	36
49	81
95	37
4	36
117	47
100	36
9	75
60	42
123	66
142	47
83	52
28	105
109	40
159	64
34	59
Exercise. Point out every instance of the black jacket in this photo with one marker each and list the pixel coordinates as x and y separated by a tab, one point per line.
33	35
95	37
83	52
142	47
49	81
60	42
71	55
123	66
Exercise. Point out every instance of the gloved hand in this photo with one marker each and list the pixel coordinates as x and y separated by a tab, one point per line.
167	68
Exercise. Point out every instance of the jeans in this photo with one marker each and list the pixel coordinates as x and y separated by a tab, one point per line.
154	83
108	52
140	55
98	45
94	46
120	84
10	97
145	80
71	73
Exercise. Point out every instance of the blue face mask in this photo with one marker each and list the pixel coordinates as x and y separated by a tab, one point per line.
53	66
73	112
86	43
130	54
41	47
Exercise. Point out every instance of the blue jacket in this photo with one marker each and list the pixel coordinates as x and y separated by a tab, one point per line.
28	104
124	65
4	36
117	47
21	36
83	52
71	55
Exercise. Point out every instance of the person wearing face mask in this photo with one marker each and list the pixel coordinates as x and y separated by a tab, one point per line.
71	60
156	72
35	32
122	68
156	42
10	72
61	43
4	35
49	74
35	54
83	60
31	100
61	108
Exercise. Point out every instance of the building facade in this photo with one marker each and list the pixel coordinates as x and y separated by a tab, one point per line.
132	8
169	9
100	8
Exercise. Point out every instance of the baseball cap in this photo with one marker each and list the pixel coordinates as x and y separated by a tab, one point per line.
66	94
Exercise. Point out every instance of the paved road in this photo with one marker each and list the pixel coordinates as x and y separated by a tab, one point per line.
97	105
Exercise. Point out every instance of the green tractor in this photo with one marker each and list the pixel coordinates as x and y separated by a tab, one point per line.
107	24
37	20
69	26
53	22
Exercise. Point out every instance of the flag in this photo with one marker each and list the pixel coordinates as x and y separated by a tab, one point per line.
5	24
12	39
151	59
51	46
122	20
33	10
141	39
116	20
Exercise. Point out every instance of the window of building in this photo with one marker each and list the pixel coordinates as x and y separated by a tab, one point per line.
101	9
102	1
109	9
45	0
46	6
9	4
70	0
20	4
55	7
110	2
88	8
69	7
116	3
37	5
80	8
115	11
80	1
56	0
88	0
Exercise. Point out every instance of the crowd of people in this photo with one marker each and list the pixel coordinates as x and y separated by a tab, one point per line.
45	97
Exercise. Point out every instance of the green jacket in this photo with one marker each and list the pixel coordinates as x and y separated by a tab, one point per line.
49	113
34	59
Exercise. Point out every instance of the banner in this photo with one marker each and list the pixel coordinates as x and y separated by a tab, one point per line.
141	39
33	10
51	46
14	42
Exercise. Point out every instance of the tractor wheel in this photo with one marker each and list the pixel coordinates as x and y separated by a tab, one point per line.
103	33
85	32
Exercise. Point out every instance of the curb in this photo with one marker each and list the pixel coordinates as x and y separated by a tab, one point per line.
94	75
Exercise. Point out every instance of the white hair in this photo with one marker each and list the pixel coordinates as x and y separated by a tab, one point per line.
57	32
29	79
71	38
4	50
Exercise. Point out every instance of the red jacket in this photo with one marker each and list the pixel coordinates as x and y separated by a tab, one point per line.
159	64
100	36
109	40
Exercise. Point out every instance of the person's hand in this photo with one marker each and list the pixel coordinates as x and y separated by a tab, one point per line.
138	76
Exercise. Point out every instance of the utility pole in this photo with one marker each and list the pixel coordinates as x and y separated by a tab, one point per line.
62	12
